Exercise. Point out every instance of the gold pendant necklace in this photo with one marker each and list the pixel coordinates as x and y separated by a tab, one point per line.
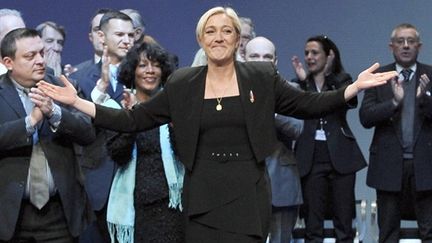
218	106
219	99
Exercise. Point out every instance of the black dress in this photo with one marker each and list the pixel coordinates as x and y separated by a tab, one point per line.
227	186
154	221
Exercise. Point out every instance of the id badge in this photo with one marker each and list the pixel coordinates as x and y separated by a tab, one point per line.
320	135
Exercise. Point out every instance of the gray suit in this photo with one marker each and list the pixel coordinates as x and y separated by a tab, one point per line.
284	180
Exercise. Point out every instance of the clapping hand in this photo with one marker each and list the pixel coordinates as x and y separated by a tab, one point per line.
104	81
421	89
69	69
398	91
129	99
53	60
298	68
41	101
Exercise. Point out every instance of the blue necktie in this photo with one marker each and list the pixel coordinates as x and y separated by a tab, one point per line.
406	73
113	78
408	111
28	106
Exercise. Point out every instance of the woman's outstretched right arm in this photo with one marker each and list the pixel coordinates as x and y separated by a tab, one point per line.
67	95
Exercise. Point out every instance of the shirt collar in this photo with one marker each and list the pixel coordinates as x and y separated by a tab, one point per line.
21	89
413	68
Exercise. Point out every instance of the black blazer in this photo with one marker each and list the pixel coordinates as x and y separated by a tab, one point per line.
386	151
15	153
345	154
181	101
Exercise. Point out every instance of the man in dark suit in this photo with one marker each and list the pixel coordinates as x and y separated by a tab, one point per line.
95	40
99	83
53	36
42	195
400	161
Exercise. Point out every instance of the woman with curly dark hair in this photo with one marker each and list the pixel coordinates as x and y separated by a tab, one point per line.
158	175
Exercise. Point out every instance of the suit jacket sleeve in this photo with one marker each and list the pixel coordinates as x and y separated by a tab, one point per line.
143	116
291	101
13	135
288	126
377	106
74	124
77	127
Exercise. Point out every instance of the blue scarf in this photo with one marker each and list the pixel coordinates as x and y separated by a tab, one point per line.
121	211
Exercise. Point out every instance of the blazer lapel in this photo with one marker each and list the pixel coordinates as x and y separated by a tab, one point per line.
387	94
418	122
10	95
117	95
249	95
194	101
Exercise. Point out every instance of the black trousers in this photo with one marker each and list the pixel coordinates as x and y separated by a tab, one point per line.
321	185
46	225
390	208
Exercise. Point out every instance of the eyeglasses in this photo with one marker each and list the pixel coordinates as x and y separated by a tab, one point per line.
405	41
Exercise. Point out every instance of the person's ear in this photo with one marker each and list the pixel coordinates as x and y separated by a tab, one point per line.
8	62
138	32
101	36
331	54
391	46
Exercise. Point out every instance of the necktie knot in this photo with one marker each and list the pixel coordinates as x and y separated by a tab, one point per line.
406	73
26	91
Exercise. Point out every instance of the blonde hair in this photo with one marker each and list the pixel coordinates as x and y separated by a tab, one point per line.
213	11
200	58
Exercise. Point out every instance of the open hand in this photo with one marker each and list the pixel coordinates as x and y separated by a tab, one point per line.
66	95
368	79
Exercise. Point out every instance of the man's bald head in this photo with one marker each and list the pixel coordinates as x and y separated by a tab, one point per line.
260	49
10	19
